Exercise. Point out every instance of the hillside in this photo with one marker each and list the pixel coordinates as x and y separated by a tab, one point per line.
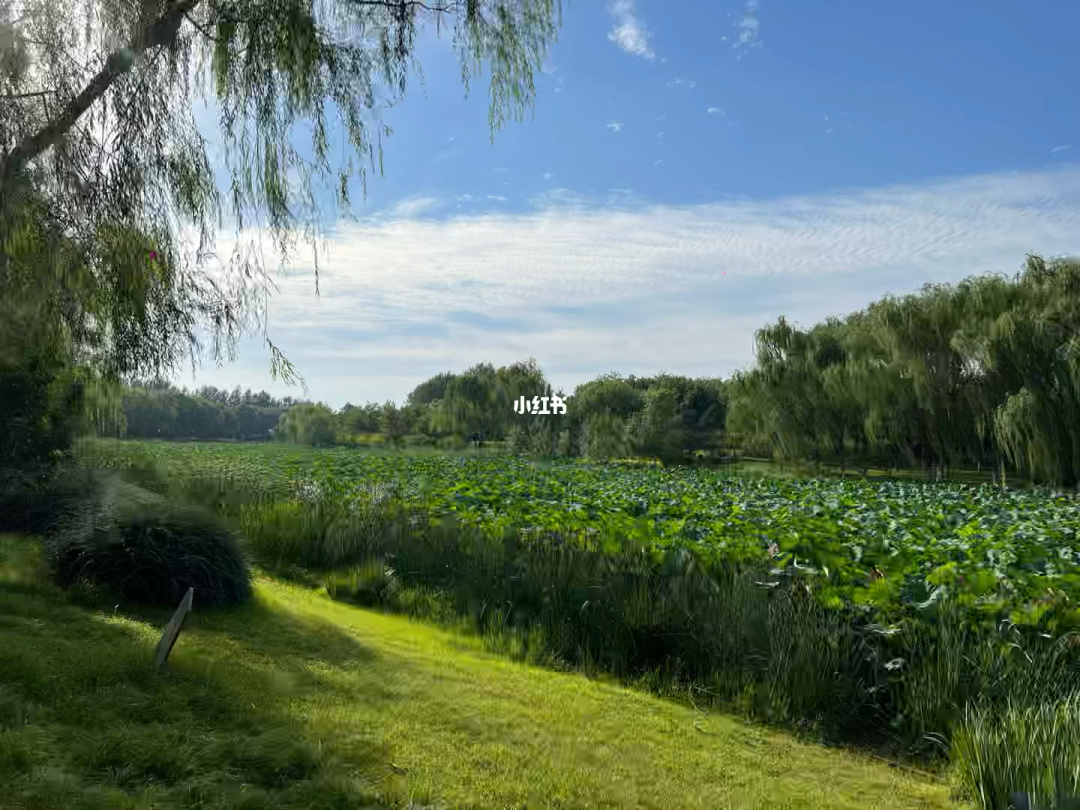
297	701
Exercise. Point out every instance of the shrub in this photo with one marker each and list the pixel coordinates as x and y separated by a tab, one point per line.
135	542
33	501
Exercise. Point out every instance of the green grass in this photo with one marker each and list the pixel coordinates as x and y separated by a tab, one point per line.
298	701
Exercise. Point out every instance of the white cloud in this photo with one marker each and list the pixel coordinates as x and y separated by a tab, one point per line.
496	197
715	110
688	83
413	207
628	32
748	29
614	126
548	175
586	285
1063	148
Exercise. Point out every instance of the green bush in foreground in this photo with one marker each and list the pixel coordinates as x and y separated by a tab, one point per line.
150	551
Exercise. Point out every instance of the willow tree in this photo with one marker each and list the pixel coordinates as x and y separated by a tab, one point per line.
108	193
1033	346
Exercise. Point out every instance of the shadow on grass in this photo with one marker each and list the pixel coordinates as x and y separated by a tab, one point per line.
85	721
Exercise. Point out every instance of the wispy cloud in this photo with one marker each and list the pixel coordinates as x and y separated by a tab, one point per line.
553	73
629	32
496	197
747	29
687	83
715	110
413	207
614	126
403	299
1063	148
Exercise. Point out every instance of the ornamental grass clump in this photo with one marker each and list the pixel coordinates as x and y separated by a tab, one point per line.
128	540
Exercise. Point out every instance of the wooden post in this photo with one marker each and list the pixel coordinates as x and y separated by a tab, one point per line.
172	629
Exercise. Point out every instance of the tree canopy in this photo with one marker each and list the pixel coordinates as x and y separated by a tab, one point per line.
99	141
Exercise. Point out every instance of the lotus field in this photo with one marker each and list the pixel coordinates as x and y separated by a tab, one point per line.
997	550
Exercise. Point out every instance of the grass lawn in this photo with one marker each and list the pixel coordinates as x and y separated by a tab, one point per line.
297	701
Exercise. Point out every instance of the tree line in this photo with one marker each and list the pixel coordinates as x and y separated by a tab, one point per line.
666	415
980	374
157	409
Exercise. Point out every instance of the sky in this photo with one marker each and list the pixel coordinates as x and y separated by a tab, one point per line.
689	173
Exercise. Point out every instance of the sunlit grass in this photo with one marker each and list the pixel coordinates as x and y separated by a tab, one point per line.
298	701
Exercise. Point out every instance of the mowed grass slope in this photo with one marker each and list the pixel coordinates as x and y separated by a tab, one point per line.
298	701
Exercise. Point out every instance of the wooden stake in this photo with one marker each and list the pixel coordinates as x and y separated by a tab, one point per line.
172	629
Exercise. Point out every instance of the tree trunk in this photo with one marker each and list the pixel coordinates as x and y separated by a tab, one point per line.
161	31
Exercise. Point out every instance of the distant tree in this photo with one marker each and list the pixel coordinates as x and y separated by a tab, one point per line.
657	429
356	420
306	423
431	389
392	423
604	436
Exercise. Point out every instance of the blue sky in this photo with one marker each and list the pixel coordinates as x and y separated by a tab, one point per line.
684	179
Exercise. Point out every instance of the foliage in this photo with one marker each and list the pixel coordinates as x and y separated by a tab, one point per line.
657	429
135	542
1027	541
306	423
316	530
1027	756
268	66
604	436
762	592
159	410
982	373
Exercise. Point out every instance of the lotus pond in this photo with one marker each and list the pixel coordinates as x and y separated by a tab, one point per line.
999	549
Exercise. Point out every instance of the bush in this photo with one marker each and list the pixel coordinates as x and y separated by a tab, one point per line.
32	501
127	539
